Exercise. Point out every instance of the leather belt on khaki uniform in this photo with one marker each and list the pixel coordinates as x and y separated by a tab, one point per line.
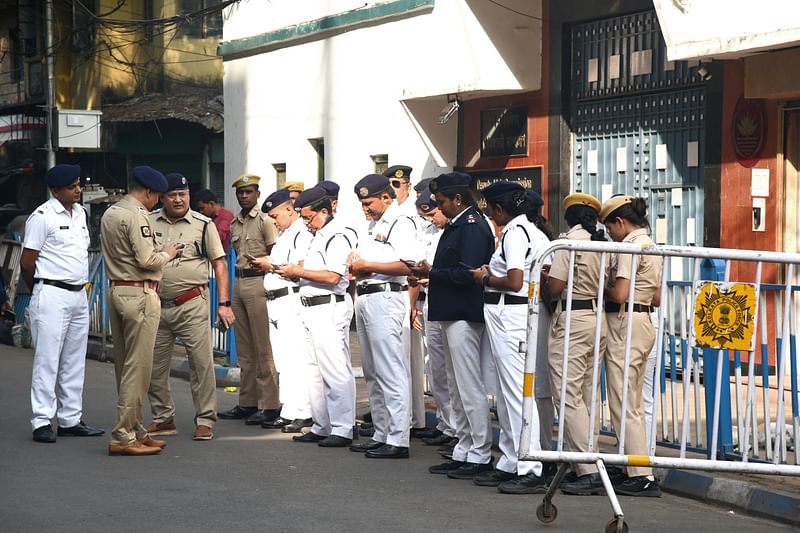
60	284
248	273
146	283
613	307
191	294
509	299
370	288
311	301
280	293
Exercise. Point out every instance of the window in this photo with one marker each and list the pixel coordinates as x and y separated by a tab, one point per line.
319	147
280	175
83	24
204	19
381	162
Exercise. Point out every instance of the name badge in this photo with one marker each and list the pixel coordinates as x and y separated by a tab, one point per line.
63	227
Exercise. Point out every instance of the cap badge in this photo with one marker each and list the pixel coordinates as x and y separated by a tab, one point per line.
268	204
363	192
398	173
425	207
183	180
245	179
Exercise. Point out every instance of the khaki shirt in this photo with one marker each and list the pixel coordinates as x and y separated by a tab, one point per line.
586	275
648	270
252	234
192	268
129	249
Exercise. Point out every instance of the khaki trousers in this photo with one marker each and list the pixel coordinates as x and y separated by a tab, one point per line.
643	335
578	395
259	379
190	323
134	314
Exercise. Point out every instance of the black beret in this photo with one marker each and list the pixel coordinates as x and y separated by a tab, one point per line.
498	189
331	186
150	178
281	196
426	202
450	180
309	196
398	171
372	185
176	180
62	175
423	184
534	198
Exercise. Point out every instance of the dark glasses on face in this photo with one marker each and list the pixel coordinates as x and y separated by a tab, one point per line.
396	183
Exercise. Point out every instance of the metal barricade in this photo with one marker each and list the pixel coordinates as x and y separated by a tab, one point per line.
679	317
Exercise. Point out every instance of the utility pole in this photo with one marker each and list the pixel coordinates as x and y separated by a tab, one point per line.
51	82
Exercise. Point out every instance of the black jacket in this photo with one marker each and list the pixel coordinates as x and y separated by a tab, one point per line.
453	294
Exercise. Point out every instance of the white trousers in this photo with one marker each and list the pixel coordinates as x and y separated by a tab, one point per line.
648	391
60	334
463	357
417	374
290	356
506	326
381	321
541	384
434	344
331	384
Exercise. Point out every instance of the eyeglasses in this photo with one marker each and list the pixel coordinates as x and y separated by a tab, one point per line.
397	183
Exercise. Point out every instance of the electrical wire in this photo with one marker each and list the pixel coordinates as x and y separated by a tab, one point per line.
498	4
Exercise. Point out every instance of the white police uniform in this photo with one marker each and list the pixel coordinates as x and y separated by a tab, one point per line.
286	324
326	313
382	321
59	312
506	315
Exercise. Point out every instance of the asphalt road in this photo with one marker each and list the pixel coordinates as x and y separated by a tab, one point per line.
250	479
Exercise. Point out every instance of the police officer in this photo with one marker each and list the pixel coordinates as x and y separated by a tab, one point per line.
326	311
285	323
382	315
399	177
625	218
55	264
294	188
185	309
134	268
252	236
457	302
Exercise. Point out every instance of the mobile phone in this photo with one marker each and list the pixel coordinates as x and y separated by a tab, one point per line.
410	263
221	326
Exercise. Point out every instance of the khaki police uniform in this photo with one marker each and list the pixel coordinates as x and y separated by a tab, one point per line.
253	234
185	314
134	270
583	321
648	277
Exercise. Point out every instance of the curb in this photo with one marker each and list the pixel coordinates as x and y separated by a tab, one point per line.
738	493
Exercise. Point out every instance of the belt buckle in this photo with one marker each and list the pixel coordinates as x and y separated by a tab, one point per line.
270	295
304	301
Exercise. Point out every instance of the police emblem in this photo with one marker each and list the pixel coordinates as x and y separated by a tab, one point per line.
183	180
398	173
268	205
724	315
363	192
145	231
470	219
245	179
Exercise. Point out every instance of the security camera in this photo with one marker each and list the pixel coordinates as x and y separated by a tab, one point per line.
448	110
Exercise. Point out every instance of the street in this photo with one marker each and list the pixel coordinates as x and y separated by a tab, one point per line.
250	479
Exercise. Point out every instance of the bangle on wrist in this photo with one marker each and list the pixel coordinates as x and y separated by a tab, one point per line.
226	303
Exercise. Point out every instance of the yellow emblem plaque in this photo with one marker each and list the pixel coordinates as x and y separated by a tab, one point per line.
723	316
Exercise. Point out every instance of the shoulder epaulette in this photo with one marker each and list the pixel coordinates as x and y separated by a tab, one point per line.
200	216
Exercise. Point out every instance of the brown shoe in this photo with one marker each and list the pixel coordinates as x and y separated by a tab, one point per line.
148	441
203	433
162	428
134	447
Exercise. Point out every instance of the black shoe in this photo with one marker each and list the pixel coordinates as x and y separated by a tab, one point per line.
492	478
585	485
367	418
388	451
549	471
80	430
639	486
297	425
237	413
446	451
366	431
616	474
470	470
444	468
426	433
44	434
276	423
527	484
260	416
366	446
335	441
439	440
309	437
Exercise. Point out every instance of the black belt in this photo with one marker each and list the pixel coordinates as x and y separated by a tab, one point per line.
579	305
248	273
614	307
280	293
509	299
61	284
311	301
422	296
369	288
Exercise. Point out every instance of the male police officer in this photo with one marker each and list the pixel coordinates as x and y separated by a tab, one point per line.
55	257
134	268
185	309
252	236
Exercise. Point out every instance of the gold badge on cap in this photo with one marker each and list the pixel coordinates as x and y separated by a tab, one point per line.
398	173
363	192
245	179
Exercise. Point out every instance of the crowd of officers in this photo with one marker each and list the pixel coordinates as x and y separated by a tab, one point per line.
430	273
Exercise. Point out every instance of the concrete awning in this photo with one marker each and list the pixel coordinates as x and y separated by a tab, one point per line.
204	108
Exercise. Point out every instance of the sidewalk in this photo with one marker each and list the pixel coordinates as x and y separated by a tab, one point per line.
773	497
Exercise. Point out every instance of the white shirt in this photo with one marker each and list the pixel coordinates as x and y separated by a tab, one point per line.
290	247
520	242
62	241
430	240
329	251
392	238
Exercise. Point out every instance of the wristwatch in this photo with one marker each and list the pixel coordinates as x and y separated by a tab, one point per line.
226	303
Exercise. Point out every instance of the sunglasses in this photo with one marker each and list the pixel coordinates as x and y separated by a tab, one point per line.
397	183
